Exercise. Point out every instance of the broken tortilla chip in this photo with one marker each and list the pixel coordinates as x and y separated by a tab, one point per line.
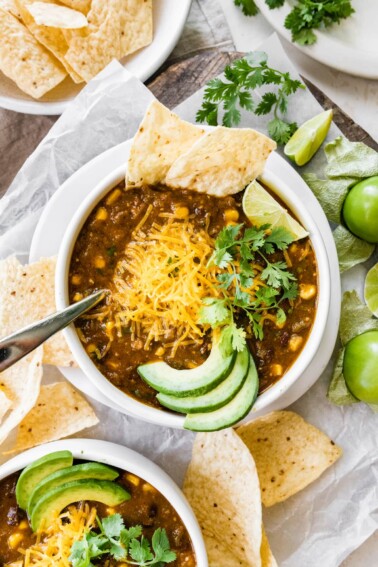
51	38
24	60
222	162
55	16
289	453
161	138
27	294
223	489
136	26
60	411
21	385
5	403
92	48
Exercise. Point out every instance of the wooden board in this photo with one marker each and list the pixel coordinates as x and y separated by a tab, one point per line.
178	81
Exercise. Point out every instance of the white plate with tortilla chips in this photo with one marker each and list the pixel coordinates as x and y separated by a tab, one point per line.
155	27
67	199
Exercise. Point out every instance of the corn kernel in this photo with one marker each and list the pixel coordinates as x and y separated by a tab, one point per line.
76	280
276	370
102	214
295	342
181	212
148	488
91	348
99	262
23	525
160	351
14	540
231	215
110	511
114	196
78	296
133	479
231	223
307	291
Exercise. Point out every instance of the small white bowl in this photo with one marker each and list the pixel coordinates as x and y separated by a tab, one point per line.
125	459
138	409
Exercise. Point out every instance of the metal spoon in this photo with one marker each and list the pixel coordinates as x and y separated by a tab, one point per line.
19	344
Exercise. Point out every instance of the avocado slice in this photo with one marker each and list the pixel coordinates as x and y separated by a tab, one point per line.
231	413
216	398
50	505
194	381
36	471
77	472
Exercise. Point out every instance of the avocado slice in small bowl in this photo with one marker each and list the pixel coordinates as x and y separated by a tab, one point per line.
95	471
37	471
50	505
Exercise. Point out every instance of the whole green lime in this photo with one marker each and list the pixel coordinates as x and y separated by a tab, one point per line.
360	210
360	367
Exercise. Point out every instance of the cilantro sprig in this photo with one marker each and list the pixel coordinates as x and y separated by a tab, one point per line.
305	16
235	251
242	77
122	544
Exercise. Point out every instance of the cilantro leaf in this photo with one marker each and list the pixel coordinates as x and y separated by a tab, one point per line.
248	7
277	275
224	96
214	312
140	550
309	15
113	525
161	547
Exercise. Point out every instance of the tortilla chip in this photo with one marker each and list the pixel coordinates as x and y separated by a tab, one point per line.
222	487
93	47
289	453
161	138
26	61
5	403
10	6
51	38
80	5
136	26
60	411
27	294
21	384
222	162
55	16
267	557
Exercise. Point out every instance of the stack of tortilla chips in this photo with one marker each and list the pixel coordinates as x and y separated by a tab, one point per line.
43	42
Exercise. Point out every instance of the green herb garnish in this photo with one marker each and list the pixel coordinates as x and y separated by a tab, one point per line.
122	544
305	16
242	77
235	251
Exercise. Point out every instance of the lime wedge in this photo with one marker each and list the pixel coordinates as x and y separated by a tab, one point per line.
306	141
261	208
371	290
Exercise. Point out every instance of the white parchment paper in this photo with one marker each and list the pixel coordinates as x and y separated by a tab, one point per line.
325	522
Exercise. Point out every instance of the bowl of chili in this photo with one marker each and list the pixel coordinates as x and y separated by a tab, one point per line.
280	359
155	503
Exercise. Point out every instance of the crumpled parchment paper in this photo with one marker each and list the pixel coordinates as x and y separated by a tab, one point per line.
325	522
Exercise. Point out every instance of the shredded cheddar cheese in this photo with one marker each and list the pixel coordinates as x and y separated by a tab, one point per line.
161	281
53	547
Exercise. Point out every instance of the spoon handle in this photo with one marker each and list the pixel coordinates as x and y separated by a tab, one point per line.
19	344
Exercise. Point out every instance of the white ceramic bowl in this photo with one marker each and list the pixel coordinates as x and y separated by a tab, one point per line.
125	459
162	417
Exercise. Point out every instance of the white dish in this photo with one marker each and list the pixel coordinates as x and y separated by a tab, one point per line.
135	407
65	202
169	20
125	459
351	47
